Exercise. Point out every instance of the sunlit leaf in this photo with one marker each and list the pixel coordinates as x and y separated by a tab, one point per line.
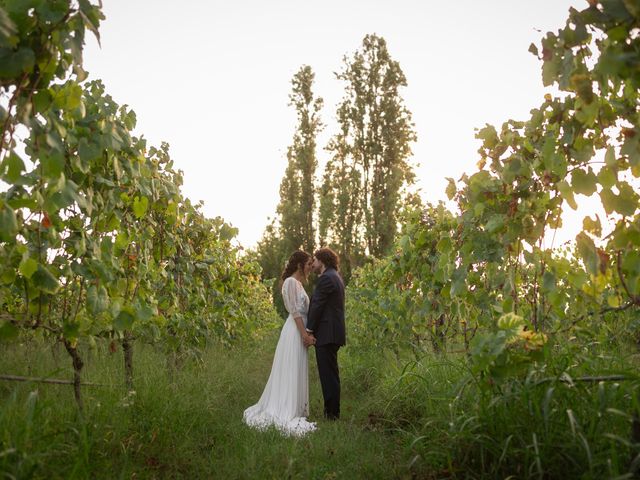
588	252
28	267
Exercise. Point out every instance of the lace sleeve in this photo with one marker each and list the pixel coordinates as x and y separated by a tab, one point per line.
292	298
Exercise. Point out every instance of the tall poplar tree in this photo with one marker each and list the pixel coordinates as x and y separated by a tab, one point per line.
340	215
297	189
371	150
294	225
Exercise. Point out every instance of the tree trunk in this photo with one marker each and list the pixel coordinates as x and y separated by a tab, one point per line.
77	368
438	338
127	350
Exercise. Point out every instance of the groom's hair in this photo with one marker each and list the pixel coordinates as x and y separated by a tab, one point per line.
328	257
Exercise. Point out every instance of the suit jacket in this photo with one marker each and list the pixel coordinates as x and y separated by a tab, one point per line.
326	310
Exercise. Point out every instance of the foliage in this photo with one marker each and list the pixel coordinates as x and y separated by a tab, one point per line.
492	260
364	185
549	423
406	298
508	352
297	190
542	328
97	240
295	226
363	181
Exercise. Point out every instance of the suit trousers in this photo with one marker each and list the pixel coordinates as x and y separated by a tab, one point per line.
327	359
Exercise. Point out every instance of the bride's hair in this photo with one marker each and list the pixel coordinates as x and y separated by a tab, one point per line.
296	259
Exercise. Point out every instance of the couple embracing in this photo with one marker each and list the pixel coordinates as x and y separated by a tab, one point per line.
320	322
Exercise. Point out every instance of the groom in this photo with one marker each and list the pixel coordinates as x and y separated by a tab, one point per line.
325	323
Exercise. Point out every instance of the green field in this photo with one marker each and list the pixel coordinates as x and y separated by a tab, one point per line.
400	420
186	427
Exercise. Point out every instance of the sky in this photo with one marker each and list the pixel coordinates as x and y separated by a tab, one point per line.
212	79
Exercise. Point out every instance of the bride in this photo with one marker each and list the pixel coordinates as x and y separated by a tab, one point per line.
285	400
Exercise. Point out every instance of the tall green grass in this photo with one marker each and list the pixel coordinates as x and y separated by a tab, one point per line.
182	425
549	424
400	419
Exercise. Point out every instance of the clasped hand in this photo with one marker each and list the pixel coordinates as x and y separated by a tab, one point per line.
309	340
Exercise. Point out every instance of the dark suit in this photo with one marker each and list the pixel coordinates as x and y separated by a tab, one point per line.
326	321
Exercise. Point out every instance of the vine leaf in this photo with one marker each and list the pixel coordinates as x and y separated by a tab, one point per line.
587	250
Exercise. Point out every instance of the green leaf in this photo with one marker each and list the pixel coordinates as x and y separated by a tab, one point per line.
550	69
556	162
54	140
444	245
631	262
489	135
613	301
8	30
608	198
616	9
125	319
140	205
71	330
8	224
116	167
582	84
486	348
69	96
28	267
631	148
625	203
44	280
510	321
42	100
451	188
458	281
227	232
405	243
583	182
52	165
8	276
15	63
587	111
67	195
567	194
8	331
478	209
607	177
610	157
122	241
97	299
144	312
592	226
12	168
88	152
91	16
495	223
548	281
587	250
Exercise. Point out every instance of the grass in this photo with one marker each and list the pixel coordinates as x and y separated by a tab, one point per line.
188	426
423	419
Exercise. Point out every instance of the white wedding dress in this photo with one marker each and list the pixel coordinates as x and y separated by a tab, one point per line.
285	400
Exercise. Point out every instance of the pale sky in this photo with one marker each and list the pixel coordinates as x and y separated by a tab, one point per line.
212	78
